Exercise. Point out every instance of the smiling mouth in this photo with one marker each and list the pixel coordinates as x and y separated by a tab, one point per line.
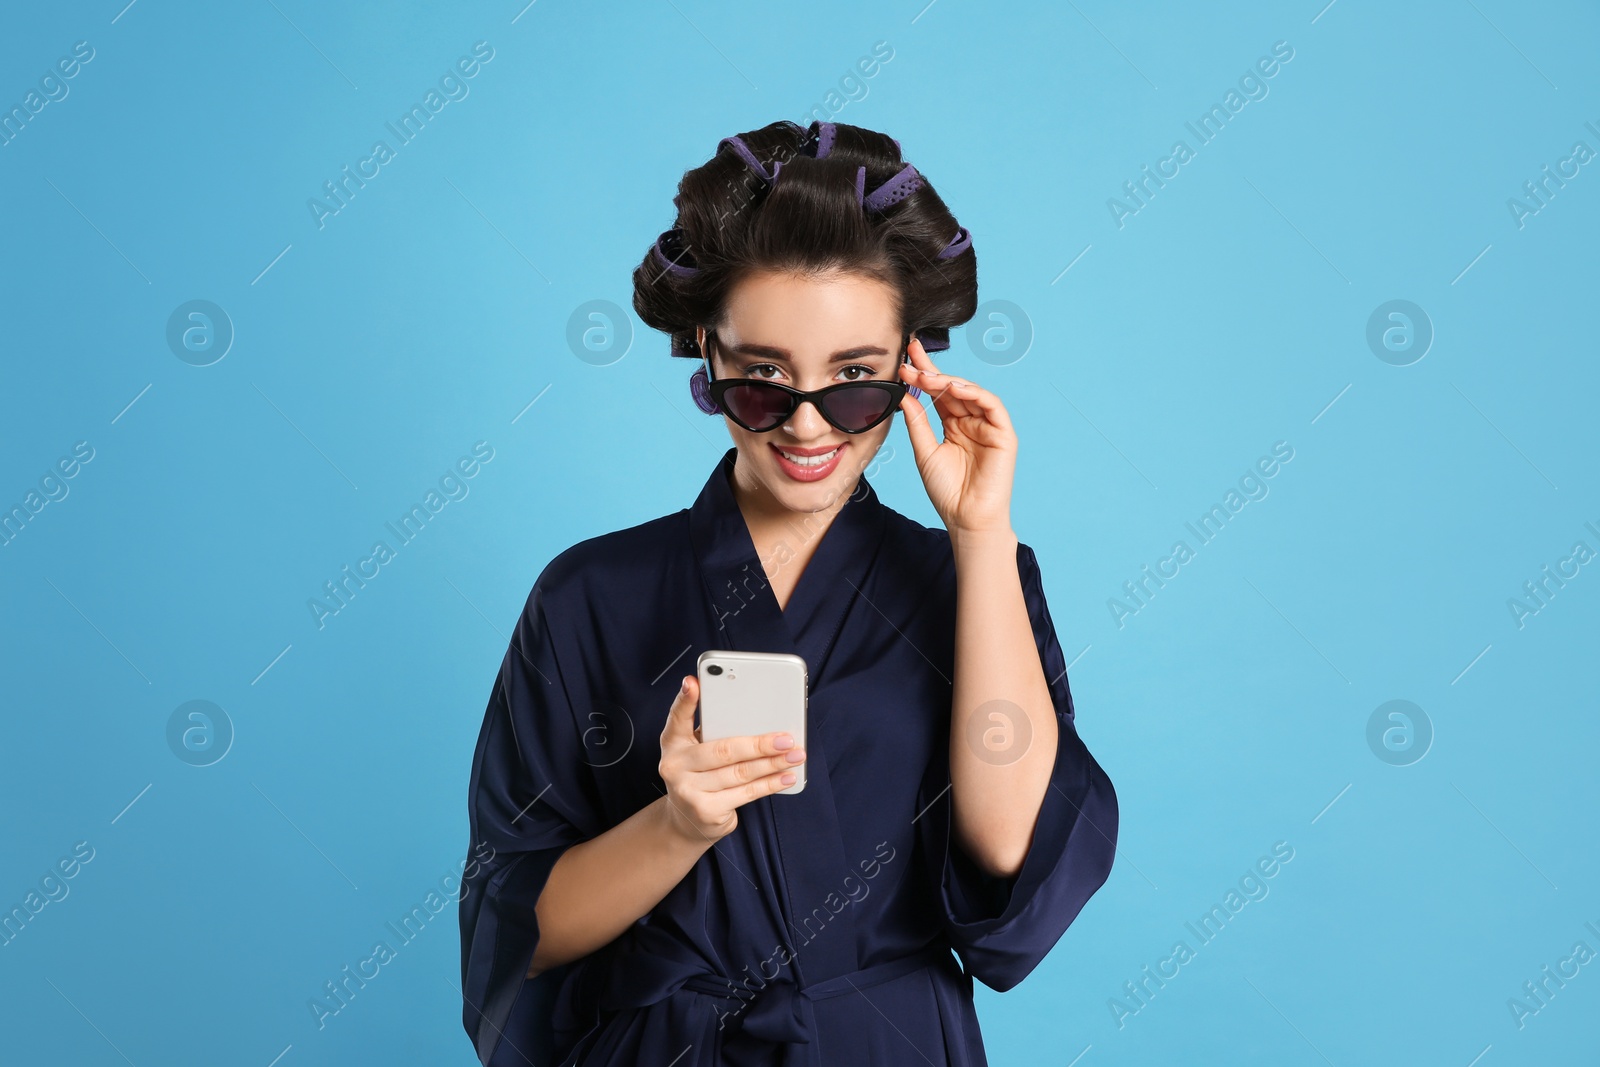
801	459
809	464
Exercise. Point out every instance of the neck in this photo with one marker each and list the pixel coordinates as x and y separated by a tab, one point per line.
770	522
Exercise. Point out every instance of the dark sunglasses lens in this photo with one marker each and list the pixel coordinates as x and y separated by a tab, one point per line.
757	406
856	409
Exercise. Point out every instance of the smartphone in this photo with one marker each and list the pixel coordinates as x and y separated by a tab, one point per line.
754	693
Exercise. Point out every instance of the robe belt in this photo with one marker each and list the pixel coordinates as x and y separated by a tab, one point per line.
778	1012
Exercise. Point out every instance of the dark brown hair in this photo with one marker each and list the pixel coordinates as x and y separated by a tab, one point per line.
733	221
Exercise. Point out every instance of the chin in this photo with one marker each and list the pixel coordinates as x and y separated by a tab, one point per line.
819	496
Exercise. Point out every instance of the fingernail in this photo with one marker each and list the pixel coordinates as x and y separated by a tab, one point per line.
797	755
788	779
684	688
783	741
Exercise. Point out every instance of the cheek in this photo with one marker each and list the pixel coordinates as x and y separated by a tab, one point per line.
864	448
751	446
875	439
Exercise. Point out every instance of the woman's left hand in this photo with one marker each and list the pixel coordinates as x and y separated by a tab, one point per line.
968	475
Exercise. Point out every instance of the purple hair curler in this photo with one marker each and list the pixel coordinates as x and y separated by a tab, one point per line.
750	159
894	190
824	145
673	238
700	390
958	244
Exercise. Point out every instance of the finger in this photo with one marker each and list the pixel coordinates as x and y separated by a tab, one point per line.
948	397
933	380
945	392
917	424
920	358
680	717
979	401
920	371
961	398
762	787
723	751
740	774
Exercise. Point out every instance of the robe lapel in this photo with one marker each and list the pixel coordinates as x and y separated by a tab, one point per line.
805	826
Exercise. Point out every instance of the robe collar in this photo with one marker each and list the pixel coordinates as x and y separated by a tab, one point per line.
744	607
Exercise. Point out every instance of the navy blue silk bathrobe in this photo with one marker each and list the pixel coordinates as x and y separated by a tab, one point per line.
819	931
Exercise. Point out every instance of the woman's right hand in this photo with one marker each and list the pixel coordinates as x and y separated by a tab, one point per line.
707	780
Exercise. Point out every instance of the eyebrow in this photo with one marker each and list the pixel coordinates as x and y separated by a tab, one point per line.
771	352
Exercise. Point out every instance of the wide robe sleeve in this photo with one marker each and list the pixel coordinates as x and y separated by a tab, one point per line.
531	797
1003	927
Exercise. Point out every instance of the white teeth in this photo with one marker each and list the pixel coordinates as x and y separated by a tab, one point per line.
809	461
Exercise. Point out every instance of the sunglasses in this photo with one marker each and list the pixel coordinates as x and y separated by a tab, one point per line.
760	406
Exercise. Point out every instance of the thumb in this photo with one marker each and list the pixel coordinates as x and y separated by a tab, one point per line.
680	718
923	440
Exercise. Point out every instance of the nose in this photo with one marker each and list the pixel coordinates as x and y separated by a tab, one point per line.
807	423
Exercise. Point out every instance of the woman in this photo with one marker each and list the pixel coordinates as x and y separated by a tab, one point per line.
648	899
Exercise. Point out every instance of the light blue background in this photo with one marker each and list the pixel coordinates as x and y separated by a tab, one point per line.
1226	315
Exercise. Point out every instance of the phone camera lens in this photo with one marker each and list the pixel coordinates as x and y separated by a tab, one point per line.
713	669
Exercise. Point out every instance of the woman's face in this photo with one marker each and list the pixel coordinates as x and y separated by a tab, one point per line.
808	333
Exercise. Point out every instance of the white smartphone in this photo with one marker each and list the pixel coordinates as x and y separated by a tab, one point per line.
745	693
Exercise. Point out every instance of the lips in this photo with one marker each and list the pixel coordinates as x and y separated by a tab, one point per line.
809	464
